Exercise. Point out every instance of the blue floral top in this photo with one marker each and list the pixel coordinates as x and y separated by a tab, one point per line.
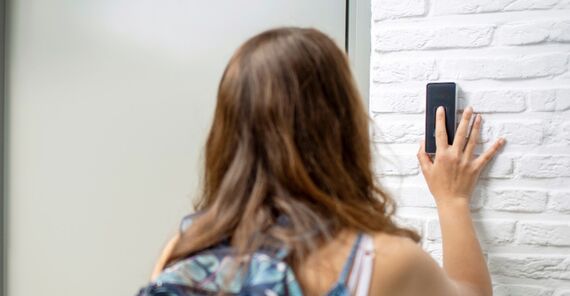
207	273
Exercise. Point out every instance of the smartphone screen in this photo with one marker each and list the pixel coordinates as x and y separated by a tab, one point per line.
440	94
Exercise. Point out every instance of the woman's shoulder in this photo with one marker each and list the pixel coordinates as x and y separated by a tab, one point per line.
399	251
402	264
394	244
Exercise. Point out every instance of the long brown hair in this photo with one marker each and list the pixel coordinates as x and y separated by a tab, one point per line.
290	139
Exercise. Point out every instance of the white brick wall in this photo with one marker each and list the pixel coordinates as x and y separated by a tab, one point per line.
511	59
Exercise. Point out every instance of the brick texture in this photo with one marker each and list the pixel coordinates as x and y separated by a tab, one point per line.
511	60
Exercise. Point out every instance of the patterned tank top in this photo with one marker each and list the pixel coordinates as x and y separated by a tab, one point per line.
206	273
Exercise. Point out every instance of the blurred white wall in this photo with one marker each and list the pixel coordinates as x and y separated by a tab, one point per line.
108	106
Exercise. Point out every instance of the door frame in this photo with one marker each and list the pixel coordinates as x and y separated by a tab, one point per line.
357	45
3	121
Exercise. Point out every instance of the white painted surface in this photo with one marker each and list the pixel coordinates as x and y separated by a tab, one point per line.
109	103
511	60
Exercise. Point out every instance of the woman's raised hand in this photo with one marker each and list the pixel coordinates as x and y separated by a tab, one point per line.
453	173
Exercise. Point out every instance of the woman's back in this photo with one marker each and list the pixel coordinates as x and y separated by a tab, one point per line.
399	268
288	165
352	263
323	268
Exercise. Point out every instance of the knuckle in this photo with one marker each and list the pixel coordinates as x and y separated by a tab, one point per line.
439	156
450	157
457	153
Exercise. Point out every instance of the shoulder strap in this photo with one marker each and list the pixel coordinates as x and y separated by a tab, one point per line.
187	221
348	265
361	275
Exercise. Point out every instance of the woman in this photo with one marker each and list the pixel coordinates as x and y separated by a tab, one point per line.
288	175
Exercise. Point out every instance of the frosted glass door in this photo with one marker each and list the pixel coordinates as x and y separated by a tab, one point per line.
108	106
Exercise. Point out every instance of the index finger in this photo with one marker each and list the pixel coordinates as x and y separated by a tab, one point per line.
440	132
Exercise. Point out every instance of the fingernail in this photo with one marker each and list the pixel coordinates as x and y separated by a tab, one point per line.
502	141
440	108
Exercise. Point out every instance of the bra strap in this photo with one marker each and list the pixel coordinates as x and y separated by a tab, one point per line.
348	265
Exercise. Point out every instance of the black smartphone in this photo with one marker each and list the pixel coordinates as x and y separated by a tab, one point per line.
440	94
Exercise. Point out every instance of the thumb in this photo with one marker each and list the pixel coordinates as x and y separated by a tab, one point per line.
423	157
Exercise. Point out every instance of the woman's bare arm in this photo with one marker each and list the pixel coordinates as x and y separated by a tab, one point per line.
451	178
161	262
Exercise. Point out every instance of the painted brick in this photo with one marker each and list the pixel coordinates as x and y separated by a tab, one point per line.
415	223
520	133
477	199
513	200
505	67
562	293
557	132
420	197
544	234
390	71
482	6
394	39
550	100
391	39
530	266
500	167
565	132
397	132
510	59
532	32
563	4
560	31
490	232
544	166
395	165
560	201
530	5
516	290
387	9
412	196
493	101
523	33
385	101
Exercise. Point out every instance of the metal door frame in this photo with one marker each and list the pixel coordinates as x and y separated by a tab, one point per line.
3	198
357	43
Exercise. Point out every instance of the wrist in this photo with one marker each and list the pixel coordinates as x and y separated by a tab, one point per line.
455	203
